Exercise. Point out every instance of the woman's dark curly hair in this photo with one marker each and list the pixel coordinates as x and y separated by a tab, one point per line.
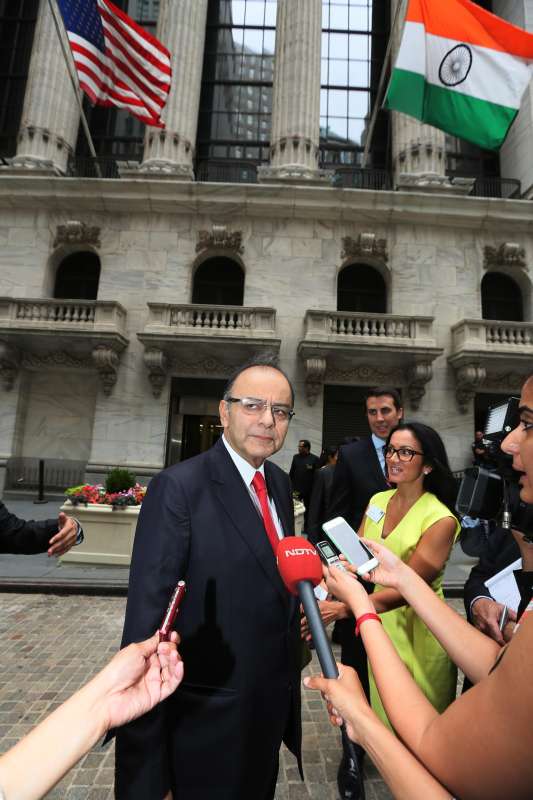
440	481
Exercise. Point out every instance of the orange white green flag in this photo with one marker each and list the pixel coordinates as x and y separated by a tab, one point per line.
461	69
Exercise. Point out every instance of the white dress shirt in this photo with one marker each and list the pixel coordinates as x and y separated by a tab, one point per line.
378	444
247	472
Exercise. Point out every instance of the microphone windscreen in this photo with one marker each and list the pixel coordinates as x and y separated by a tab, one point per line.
298	561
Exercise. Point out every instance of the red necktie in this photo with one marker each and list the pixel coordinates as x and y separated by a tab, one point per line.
260	488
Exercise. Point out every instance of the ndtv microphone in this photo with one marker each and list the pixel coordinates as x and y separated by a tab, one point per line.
300	568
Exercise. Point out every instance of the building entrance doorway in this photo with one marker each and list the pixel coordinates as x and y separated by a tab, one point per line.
199	434
194	425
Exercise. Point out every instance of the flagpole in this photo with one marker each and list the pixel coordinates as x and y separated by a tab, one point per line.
58	26
379	95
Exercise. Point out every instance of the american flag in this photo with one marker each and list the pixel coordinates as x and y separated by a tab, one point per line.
118	62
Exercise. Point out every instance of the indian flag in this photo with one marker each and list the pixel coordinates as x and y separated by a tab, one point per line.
461	69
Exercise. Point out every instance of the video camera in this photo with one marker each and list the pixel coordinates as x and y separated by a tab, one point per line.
495	493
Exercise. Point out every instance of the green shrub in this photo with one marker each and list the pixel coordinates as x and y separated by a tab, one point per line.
119	480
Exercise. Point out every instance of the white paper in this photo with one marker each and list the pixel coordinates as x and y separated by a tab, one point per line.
503	587
321	592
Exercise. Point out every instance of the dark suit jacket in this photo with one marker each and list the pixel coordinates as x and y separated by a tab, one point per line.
320	500
218	736
358	476
19	536
501	550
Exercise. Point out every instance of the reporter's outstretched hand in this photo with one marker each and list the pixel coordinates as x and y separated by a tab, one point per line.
138	677
346	587
345	698
390	569
65	538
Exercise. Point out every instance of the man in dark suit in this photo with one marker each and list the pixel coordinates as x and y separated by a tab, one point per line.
302	472
25	537
209	521
359	474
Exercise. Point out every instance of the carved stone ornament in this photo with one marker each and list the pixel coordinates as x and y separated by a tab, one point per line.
59	359
106	361
366	244
208	367
9	365
418	376
75	232
365	375
157	365
315	370
508	254
507	381
468	379
221	239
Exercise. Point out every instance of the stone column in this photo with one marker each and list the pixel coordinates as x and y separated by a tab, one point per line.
296	94
169	152
50	115
418	150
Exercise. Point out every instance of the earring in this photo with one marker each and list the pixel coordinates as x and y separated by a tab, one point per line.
426	472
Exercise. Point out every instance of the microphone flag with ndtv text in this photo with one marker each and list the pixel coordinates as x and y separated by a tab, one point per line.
298	561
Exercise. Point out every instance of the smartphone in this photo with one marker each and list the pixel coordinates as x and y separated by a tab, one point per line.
503	619
329	556
348	542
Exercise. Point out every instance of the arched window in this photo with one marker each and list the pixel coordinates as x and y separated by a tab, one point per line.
77	277
219	281
361	288
501	298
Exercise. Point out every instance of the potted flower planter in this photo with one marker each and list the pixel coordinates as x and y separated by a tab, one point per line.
108	534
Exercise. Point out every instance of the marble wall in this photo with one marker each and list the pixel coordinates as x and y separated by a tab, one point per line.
58	414
291	260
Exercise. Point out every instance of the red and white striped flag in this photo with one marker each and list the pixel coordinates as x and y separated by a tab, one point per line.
118	62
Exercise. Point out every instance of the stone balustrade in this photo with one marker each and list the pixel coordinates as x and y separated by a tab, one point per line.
208	320
492	335
36	333
172	331
61	315
342	325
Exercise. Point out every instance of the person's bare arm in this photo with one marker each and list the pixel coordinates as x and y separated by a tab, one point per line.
405	776
427	560
134	681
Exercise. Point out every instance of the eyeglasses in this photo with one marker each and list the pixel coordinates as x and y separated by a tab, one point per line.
254	407
404	453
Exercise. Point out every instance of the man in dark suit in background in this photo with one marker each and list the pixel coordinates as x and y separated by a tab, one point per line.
359	474
210	521
302	472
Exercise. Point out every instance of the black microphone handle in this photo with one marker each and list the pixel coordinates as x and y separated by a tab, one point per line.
323	651
318	632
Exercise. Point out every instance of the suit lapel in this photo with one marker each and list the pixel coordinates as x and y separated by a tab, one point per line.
280	497
234	497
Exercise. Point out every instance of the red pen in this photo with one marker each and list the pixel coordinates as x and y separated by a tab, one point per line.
172	610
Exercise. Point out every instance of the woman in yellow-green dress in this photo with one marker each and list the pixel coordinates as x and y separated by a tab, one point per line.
416	521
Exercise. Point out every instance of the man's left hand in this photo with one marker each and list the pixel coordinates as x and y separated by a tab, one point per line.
65	537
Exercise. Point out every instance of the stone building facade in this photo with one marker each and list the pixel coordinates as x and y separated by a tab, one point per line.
132	375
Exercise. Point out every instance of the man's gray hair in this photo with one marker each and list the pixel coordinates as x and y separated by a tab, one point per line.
267	360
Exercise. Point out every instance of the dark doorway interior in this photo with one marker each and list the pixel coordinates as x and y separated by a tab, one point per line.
194	425
361	288
501	298
77	277
219	281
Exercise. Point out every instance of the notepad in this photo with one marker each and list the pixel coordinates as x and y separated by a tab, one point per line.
503	586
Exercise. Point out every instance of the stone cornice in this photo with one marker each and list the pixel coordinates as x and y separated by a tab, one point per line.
65	195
